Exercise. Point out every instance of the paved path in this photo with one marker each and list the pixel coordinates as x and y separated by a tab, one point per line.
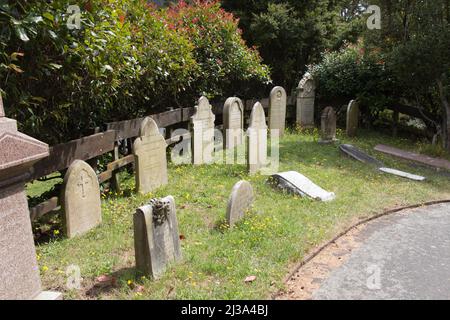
401	256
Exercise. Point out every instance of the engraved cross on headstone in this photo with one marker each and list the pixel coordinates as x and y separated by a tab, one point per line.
81	184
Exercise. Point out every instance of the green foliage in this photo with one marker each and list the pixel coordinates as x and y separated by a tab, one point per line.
291	34
226	62
351	73
124	62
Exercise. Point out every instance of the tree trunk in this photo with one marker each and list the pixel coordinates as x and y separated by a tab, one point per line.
446	115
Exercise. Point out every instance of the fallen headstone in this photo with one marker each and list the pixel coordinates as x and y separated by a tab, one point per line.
241	200
402	174
407	155
357	154
156	237
296	183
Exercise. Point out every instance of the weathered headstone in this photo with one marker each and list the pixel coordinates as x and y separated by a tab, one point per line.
19	272
352	118
233	122
150	157
240	201
305	101
328	126
257	140
80	199
277	110
296	183
156	237
202	127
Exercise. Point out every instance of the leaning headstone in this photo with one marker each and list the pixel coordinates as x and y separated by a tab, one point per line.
352	118
80	199
202	127
257	140
150	157
296	183
240	201
277	110
233	122
305	101
328	126
19	271
156	237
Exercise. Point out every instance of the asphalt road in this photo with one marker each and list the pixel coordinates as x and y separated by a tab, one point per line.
402	256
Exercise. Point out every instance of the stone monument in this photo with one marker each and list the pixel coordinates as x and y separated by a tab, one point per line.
305	101
202	128
150	157
19	271
328	126
240	201
233	122
156	237
257	140
352	118
277	110
80	199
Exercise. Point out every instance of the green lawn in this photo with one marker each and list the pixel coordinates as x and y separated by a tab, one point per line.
276	235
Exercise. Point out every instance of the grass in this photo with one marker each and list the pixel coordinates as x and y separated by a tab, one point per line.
278	233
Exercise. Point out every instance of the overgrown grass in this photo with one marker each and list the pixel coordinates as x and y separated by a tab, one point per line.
278	233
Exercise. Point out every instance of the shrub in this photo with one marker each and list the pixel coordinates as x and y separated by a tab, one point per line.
124	62
227	65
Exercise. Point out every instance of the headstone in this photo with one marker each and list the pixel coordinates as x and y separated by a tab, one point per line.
305	101
202	127
240	201
233	122
357	154
328	126
80	199
297	183
352	118
156	237
19	271
257	140
402	174
277	110
150	157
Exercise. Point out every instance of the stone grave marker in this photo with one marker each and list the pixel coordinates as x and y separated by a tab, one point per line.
277	109
202	127
156	237
257	140
296	183
352	118
80	199
19	271
233	122
305	101
328	126
240	201
150	157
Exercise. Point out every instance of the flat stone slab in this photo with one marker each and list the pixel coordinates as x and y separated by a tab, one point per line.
402	174
357	154
407	155
403	256
297	183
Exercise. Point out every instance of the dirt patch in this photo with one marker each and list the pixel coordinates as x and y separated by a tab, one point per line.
308	279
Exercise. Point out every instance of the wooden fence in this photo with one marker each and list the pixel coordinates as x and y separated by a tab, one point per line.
93	146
